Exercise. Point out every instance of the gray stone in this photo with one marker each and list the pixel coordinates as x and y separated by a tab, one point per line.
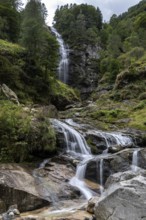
123	200
11	95
32	189
91	204
83	68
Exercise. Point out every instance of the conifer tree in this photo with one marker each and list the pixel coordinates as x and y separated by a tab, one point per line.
33	27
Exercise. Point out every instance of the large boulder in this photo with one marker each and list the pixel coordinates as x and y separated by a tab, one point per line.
124	198
17	186
118	162
34	188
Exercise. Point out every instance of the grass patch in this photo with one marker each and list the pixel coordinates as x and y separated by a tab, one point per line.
10	48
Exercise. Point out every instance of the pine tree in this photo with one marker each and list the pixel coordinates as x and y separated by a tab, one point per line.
33	27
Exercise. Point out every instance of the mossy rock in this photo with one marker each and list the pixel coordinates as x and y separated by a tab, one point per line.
63	95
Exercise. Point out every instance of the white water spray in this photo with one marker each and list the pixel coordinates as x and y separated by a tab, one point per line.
64	61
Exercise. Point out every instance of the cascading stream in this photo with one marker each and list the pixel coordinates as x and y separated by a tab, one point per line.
76	146
64	61
75	142
112	139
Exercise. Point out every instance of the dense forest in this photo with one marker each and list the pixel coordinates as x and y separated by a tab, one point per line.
29	57
122	43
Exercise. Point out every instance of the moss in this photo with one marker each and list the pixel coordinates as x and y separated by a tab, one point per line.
140	105
109	115
62	94
138	119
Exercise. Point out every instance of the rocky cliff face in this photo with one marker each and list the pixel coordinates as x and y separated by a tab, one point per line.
83	68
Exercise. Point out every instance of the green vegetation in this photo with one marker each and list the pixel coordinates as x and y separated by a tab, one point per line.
63	95
78	24
28	64
24	135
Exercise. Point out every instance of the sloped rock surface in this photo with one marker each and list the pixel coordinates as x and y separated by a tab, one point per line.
32	189
125	199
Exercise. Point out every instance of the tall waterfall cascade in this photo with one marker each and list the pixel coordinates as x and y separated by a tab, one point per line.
77	147
64	61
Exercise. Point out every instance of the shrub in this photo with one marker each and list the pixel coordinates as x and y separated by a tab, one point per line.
22	134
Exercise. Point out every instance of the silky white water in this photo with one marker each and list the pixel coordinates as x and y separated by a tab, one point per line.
112	139
64	61
101	175
135	160
77	147
75	142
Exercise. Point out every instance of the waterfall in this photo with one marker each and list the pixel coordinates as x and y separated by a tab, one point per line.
78	179
101	175
112	139
135	160
76	145
63	64
75	142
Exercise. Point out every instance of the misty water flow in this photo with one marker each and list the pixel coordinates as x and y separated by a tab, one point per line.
64	61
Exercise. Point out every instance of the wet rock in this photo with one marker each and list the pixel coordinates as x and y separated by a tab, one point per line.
2	206
124	199
12	213
91	204
11	95
115	149
96	141
118	162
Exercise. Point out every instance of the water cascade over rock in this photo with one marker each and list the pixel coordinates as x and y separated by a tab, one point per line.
135	160
64	61
77	147
101	175
75	142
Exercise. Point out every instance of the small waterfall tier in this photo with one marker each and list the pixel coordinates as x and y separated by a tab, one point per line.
135	160
112	139
75	142
77	147
64	61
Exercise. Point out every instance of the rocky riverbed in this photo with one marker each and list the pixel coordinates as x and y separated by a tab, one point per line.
106	167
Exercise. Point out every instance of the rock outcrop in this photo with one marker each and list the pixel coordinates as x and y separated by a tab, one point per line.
124	197
118	162
7	92
83	68
32	189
